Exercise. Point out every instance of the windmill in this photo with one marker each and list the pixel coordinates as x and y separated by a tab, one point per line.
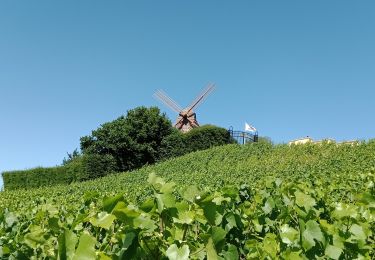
187	118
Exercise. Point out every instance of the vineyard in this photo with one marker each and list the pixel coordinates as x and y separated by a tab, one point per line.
254	201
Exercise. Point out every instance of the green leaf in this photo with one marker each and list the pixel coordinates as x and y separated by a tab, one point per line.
292	255
211	213
358	234
103	256
268	205
185	217
67	242
35	237
312	232
128	240
231	253
129	246
147	205
155	181
230	191
110	202
218	237
219	199
166	200
288	234
231	222
168	187
343	210
333	252
10	219
144	222
103	220
304	200
211	251
191	193
175	253
53	224
270	246
86	248
4	250
52	210
125	213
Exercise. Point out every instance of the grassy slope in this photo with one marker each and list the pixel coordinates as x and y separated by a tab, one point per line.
340	168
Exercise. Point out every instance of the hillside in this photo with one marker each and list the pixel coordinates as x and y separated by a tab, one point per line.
232	202
341	169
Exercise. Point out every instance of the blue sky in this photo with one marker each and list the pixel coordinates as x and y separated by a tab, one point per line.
290	68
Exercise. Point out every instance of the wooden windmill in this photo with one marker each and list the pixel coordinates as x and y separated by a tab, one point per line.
187	118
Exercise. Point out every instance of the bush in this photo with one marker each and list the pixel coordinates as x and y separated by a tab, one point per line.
96	165
200	138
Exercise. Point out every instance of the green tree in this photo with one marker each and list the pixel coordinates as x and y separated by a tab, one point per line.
71	157
133	140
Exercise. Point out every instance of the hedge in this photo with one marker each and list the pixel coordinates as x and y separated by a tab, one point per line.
85	167
201	138
41	176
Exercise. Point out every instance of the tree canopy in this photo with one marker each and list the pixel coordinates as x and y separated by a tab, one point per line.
133	140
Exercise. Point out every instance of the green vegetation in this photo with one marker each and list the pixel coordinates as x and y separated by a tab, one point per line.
253	201
143	136
39	177
133	140
201	138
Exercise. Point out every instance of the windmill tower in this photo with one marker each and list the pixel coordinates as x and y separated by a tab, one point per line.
187	118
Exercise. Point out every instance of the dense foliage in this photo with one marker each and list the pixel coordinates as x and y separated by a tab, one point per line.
338	166
298	202
41	176
133	140
288	220
200	138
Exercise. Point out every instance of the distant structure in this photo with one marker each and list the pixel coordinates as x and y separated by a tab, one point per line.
243	137
187	119
303	140
307	139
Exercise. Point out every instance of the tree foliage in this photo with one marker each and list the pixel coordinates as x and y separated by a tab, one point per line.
71	157
133	140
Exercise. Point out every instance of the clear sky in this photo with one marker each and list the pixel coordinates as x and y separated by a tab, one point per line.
290	68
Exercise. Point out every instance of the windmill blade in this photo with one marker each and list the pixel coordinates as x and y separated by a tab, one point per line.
166	100
202	96
193	121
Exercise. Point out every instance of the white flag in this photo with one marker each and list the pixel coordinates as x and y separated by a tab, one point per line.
249	128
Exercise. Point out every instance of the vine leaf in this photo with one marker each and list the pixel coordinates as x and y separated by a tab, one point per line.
304	200
211	252
175	253
67	242
103	220
312	232
86	248
333	252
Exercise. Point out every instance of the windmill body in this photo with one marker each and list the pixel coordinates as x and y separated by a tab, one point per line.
187	118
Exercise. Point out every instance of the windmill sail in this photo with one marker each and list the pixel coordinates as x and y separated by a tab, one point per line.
186	119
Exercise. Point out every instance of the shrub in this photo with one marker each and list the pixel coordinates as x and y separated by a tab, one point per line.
40	176
96	165
200	138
